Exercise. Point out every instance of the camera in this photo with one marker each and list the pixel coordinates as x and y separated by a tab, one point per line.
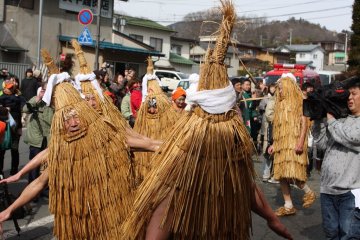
106	65
32	109
330	98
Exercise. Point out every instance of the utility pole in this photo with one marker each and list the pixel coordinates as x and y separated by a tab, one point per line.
345	51
97	44
261	40
290	38
39	33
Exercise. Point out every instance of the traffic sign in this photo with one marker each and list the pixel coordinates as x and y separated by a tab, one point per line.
85	16
85	37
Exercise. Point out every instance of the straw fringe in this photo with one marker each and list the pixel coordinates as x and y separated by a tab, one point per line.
106	107
150	66
154	126
49	62
154	88
205	182
287	129
204	168
213	74
89	179
84	68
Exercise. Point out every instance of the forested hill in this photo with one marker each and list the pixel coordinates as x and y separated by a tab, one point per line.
256	30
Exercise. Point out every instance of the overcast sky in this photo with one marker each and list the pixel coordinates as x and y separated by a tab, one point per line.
335	15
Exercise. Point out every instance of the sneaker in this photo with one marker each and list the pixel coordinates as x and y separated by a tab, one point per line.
283	211
309	199
265	178
272	180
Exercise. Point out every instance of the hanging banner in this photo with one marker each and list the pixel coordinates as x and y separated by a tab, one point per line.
77	5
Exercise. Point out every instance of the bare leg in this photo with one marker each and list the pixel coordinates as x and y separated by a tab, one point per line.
300	184
285	189
153	231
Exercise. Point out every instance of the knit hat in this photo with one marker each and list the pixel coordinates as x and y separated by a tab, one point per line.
178	93
9	85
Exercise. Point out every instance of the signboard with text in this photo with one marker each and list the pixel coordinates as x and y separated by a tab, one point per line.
77	5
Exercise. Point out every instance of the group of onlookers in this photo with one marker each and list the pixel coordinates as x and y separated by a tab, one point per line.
126	92
332	142
21	106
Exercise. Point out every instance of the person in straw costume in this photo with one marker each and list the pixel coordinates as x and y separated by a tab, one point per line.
91	89
92	96
88	169
203	186
290	129
155	118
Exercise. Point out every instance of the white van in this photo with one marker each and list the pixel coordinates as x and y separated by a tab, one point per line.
170	79
327	77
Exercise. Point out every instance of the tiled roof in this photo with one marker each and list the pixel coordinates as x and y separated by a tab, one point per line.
141	22
175	58
302	48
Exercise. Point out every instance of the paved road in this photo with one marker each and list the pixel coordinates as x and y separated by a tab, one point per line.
306	224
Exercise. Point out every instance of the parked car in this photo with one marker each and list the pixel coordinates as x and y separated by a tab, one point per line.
170	79
301	73
327	77
184	83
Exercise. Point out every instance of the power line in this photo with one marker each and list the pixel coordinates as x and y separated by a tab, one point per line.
330	16
280	7
274	16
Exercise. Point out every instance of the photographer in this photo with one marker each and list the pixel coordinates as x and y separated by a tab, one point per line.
38	128
340	173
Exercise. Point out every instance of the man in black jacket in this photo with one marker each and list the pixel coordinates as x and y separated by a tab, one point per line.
14	103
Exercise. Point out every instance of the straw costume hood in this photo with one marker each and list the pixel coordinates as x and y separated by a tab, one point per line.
204	168
155	126
88	180
87	80
287	129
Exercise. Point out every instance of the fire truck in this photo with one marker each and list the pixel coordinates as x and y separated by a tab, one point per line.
301	73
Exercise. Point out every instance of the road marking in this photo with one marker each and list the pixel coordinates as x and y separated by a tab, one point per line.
40	222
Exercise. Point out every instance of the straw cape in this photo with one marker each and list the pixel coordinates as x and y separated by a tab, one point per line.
88	170
89	85
287	129
204	169
155	126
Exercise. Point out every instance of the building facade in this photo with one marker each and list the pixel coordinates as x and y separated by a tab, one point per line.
310	55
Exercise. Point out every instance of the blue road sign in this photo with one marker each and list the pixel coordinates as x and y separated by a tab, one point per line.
85	37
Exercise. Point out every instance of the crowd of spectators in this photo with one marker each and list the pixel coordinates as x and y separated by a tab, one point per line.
333	144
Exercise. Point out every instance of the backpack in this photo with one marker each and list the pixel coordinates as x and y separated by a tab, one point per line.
6	143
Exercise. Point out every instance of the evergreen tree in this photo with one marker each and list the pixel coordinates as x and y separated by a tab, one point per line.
354	55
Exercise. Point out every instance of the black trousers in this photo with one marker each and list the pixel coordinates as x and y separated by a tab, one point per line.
15	138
